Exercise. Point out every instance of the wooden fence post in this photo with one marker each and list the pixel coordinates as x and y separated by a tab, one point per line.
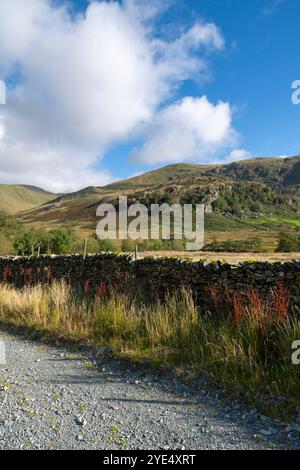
85	248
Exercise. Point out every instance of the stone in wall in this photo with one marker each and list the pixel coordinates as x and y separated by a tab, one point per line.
155	276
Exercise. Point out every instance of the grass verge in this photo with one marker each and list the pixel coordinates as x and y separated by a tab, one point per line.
244	343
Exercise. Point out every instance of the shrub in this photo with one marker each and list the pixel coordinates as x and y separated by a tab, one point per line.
6	246
236	246
110	245
288	242
27	242
60	241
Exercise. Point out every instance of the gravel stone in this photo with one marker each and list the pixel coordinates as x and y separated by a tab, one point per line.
50	398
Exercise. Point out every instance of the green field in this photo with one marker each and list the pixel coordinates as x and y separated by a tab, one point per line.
276	221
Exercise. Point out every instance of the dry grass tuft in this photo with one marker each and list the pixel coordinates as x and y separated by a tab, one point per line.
244	341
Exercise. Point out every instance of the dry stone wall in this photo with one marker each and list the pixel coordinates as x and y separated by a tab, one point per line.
155	276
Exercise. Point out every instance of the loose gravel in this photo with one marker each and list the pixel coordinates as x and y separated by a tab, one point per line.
53	398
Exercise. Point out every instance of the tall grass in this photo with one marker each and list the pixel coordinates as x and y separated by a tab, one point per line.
244	341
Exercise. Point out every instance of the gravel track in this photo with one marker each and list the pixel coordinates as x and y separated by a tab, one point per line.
52	398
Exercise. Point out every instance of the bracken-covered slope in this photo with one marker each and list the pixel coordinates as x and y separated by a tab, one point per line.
16	198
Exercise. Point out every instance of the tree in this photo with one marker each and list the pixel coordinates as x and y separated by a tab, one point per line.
27	242
9	229
257	244
256	207
288	242
8	224
5	245
220	204
60	241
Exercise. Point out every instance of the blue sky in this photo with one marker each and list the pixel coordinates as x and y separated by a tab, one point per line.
254	72
247	61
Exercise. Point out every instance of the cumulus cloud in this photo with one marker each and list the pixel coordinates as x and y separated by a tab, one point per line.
192	129
237	154
85	82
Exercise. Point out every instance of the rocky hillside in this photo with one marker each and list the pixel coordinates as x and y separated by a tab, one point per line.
282	175
262	190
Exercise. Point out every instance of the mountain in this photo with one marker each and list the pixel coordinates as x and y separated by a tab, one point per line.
259	196
17	198
277	172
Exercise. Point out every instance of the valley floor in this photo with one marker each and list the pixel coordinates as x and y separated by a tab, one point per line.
52	398
232	258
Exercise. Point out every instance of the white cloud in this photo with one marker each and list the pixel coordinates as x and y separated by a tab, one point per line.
272	6
89	81
192	129
237	154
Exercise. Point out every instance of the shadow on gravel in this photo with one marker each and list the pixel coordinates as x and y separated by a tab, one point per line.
66	359
154	402
83	379
98	380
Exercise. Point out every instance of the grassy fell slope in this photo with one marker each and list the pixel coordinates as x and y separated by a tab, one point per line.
17	198
273	184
